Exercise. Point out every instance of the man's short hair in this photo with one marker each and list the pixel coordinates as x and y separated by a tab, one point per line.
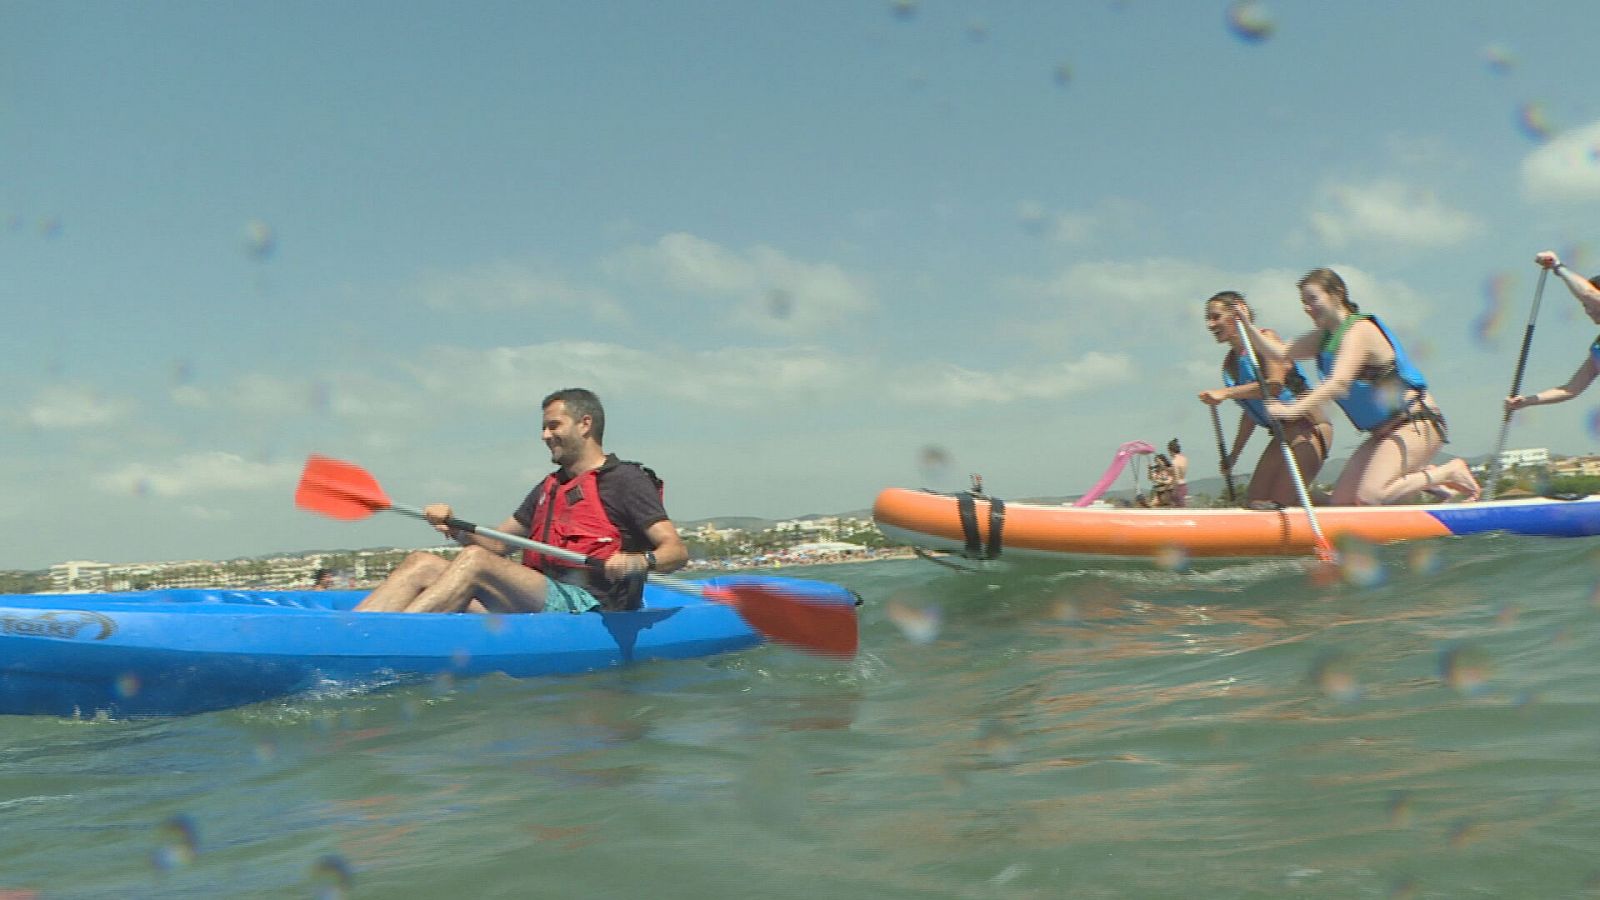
582	402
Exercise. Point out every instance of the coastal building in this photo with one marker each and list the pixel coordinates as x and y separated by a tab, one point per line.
79	575
1529	458
1576	466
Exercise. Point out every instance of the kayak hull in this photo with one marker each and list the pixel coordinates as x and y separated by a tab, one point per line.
936	521
177	652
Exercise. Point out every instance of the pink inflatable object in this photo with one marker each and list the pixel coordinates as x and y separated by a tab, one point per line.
1117	465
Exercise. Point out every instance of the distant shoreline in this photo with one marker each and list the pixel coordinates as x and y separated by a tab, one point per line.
746	564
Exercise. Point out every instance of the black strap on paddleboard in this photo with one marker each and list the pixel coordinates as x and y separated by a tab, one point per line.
967	509
997	524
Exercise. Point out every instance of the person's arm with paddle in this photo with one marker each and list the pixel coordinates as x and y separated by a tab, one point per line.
1587	292
1272	482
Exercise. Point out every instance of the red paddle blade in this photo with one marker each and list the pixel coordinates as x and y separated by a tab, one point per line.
787	615
338	489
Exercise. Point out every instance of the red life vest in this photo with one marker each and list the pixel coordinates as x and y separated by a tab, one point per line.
570	515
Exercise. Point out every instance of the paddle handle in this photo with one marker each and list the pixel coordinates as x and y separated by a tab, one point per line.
677	584
1516	388
1222	454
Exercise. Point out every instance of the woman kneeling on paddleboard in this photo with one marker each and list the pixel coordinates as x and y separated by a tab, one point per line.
1366	371
1309	438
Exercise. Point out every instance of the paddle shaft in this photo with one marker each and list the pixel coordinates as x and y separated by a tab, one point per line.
677	584
1516	387
1222	455
1283	444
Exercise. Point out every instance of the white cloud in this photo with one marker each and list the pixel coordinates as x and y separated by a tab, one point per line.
769	292
949	385
1567	168
1389	211
1111	215
504	287
738	376
198	473
268	396
71	406
749	378
1157	305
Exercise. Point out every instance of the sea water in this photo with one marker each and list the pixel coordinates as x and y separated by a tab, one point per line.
1423	723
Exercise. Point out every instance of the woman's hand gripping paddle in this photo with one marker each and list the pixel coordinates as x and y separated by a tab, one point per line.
784	613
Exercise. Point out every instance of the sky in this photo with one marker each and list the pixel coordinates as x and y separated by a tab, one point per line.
803	251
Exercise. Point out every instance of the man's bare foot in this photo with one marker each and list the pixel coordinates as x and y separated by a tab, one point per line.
1456	476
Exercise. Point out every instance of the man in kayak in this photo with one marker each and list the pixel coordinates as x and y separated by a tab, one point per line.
1587	292
594	504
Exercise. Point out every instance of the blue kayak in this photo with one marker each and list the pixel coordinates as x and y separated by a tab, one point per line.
175	652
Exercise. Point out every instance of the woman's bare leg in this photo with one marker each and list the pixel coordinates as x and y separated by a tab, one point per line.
1346	489
1273	482
1398	467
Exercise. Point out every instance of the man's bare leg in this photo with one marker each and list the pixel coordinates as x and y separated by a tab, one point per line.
418	570
499	584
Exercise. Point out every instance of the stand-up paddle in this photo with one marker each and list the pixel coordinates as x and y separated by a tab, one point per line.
1493	487
1222	456
819	624
1324	549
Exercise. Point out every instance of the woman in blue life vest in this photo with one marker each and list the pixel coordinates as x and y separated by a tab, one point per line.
1366	371
1271	484
1588	293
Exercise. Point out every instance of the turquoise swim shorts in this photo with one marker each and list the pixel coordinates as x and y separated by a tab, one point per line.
568	598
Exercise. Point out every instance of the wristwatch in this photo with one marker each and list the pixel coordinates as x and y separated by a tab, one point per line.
649	560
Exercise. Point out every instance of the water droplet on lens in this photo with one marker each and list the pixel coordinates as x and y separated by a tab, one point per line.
1172	559
935	465
920	625
259	241
1499	59
1534	122
127	685
1423	559
1250	22
1333	674
1465	669
780	303
331	877
999	742
177	843
1462	832
1359	565
1486	326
